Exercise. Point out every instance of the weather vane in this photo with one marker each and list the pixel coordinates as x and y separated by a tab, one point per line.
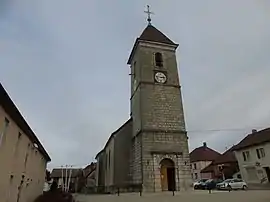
149	14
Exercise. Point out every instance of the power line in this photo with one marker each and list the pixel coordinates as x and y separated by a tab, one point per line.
223	130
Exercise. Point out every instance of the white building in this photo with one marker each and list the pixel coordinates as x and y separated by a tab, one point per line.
253	156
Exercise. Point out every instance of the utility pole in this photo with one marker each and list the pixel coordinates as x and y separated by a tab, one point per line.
70	173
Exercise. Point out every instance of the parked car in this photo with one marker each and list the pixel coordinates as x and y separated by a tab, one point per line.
211	184
232	184
198	184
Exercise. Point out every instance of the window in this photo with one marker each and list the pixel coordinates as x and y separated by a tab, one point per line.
260	153
158	59
246	155
196	175
3	130
195	166
18	143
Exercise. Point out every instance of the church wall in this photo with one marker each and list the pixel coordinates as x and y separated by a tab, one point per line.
109	163
137	159
159	145
161	105
135	110
122	158
101	169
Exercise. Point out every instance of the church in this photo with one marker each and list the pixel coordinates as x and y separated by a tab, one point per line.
151	148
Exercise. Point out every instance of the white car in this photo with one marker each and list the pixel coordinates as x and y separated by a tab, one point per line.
232	184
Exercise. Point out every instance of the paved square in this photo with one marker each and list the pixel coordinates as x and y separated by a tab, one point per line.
192	196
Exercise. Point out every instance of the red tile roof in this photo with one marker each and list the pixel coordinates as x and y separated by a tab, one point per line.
203	153
208	169
254	138
227	157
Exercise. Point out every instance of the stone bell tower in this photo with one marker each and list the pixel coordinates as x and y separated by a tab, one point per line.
160	144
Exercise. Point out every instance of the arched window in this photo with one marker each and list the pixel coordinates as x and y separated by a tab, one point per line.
158	59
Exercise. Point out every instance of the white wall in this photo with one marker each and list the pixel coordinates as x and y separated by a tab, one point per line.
251	172
199	166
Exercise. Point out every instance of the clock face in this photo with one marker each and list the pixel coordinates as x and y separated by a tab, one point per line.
160	77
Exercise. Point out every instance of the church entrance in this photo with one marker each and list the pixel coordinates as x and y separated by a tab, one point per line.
167	175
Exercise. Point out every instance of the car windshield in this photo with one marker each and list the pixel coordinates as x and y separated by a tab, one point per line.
210	180
203	180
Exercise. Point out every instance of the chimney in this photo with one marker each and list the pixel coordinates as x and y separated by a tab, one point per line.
254	131
204	144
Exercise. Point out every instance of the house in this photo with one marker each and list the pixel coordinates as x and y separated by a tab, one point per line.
90	175
223	167
200	158
23	158
253	156
73	176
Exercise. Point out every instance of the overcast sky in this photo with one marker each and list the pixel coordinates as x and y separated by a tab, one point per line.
63	62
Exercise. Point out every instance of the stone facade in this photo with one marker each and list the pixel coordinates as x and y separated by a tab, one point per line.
158	118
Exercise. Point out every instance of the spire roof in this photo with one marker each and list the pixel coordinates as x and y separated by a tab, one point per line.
150	33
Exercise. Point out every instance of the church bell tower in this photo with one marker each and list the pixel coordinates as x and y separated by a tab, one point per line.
160	151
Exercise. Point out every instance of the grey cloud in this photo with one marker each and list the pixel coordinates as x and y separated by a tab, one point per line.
64	64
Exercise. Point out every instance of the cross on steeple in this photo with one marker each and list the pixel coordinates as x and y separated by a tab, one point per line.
149	14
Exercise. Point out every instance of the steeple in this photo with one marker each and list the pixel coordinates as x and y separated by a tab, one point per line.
151	34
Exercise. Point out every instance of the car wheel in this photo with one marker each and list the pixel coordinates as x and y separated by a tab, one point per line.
244	187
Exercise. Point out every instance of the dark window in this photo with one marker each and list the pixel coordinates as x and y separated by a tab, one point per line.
158	59
246	156
260	153
3	130
18	143
195	166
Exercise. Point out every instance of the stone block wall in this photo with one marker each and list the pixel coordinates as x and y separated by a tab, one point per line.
160	145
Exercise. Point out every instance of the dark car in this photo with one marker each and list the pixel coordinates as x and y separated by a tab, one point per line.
211	183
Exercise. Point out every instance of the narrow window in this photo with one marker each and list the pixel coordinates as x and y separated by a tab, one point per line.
4	130
246	155
260	153
18	144
158	59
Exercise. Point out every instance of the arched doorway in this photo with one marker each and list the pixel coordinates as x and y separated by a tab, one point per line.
167	175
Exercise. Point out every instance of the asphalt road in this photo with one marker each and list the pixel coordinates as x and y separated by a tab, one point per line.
191	196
